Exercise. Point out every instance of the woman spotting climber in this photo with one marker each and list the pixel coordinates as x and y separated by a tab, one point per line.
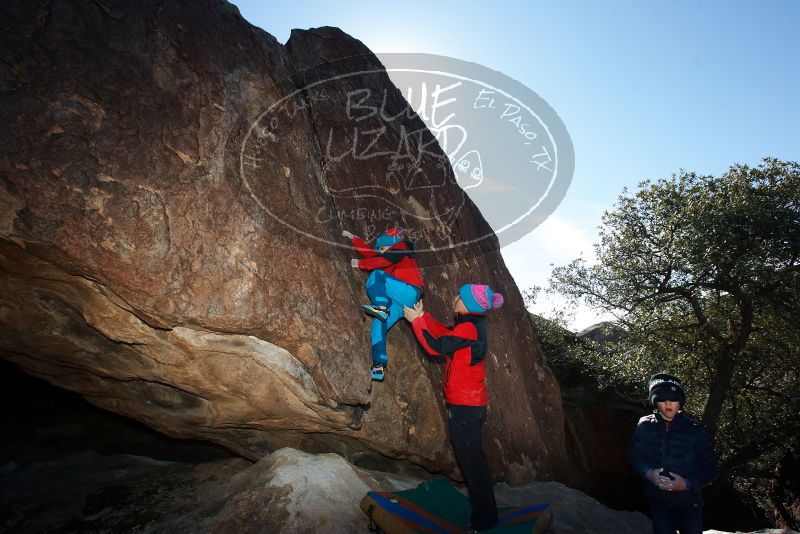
465	393
394	281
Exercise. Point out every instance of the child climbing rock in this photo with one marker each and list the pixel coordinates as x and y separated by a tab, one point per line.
394	281
465	392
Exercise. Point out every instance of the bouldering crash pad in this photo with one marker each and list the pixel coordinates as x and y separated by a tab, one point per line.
436	507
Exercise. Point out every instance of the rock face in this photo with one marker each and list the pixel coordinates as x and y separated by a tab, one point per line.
173	186
302	493
599	427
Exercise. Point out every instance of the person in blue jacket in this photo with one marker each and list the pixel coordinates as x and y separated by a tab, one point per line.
673	454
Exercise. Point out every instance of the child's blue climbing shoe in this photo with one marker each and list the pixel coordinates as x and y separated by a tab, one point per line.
377	373
379	312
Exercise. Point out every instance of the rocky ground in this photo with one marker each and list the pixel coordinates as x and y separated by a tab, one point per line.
66	466
288	491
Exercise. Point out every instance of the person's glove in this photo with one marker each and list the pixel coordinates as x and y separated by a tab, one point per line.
347	234
354	263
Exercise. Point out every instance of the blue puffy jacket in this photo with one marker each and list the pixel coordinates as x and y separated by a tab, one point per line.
683	448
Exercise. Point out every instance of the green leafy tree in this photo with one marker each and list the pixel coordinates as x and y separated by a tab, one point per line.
692	266
703	275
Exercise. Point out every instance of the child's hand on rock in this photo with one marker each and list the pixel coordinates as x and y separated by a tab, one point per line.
347	234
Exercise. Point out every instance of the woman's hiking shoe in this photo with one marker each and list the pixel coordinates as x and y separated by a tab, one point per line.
379	312
377	373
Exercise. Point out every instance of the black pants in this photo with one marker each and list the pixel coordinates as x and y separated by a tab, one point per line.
465	424
668	519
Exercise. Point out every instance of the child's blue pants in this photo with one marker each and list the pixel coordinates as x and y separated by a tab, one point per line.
386	290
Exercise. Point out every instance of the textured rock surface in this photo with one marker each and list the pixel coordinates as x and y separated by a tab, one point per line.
574	511
599	426
288	491
597	444
312	487
91	492
167	263
291	491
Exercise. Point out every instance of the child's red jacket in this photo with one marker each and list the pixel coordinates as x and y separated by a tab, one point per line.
464	377
397	261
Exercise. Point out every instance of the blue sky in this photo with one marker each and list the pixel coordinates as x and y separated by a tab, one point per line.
645	88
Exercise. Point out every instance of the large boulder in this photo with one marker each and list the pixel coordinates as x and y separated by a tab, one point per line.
173	186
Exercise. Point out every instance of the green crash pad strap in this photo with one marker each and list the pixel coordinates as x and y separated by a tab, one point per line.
413	515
